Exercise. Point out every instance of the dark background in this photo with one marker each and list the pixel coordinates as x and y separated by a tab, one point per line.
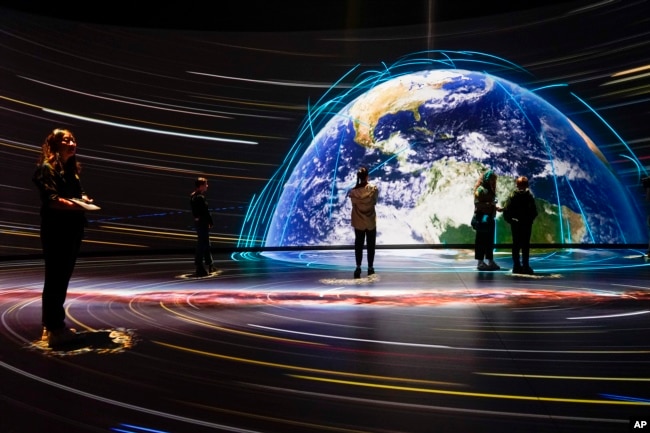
273	15
157	96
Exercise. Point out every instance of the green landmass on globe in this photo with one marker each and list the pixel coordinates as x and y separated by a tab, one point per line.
426	137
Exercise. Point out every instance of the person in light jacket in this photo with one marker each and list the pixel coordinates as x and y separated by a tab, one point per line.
364	220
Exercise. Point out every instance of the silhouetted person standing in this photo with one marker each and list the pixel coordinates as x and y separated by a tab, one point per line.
485	208
520	211
202	223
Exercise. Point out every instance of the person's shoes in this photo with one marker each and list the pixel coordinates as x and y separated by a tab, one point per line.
492	266
371	271
201	272
211	269
357	273
482	266
527	270
517	269
61	337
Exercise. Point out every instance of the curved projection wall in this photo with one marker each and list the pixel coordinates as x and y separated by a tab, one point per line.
278	122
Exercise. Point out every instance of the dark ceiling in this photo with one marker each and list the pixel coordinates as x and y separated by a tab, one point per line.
251	15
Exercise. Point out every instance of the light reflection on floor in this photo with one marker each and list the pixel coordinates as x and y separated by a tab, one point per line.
441	260
565	349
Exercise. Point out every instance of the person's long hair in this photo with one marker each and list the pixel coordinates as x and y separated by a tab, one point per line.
50	151
484	180
362	176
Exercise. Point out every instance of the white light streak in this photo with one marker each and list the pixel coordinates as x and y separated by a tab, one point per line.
610	316
155	131
125	405
121	101
438	346
274	83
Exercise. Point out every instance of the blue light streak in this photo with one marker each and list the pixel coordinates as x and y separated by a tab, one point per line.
328	106
246	219
333	189
625	398
639	167
263	206
582	213
548	152
550	86
137	429
293	205
623	142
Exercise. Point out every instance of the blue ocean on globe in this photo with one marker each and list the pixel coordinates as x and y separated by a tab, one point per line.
426	137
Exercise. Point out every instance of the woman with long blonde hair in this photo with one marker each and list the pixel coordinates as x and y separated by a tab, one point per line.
62	227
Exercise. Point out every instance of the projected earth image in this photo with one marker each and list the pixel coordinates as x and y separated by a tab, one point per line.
425	138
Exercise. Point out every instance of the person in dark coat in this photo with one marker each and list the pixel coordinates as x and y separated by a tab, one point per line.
520	211
62	228
202	223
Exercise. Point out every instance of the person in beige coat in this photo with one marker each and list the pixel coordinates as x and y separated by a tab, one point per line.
364	220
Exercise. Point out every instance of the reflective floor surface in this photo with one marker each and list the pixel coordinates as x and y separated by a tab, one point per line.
290	342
